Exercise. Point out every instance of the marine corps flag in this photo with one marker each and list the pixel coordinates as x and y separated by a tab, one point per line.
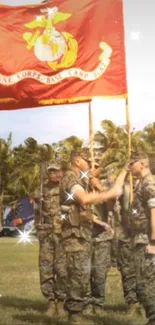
62	51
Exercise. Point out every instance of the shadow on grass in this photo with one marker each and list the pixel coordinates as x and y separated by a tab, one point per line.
23	304
116	308
110	319
36	319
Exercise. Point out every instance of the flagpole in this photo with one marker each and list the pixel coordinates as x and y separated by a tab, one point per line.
128	124
91	134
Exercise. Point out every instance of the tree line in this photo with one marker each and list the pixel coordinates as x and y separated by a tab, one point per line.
20	167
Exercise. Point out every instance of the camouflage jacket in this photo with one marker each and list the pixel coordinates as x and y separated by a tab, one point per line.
50	207
73	224
144	200
123	216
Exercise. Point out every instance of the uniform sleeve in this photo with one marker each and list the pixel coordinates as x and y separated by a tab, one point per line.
69	181
36	212
149	194
75	188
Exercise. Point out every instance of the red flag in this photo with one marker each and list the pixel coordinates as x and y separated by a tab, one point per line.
61	52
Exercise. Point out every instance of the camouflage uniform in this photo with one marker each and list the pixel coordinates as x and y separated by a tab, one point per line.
127	269
77	242
101	261
115	223
52	258
144	200
125	251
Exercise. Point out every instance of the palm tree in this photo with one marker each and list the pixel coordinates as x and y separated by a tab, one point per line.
63	148
149	136
31	159
113	141
21	168
6	169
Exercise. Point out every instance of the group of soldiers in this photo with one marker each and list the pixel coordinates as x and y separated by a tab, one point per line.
74	224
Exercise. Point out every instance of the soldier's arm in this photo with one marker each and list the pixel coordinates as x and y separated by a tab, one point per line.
96	183
85	198
36	214
153	224
36	196
94	198
149	195
121	177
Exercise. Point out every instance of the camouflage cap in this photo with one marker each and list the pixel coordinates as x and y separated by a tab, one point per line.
136	156
81	152
54	166
86	155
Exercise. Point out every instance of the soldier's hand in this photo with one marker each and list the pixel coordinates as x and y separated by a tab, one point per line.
95	183
101	223
86	215
95	172
150	249
127	167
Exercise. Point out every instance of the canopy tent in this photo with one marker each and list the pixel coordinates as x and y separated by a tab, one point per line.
21	214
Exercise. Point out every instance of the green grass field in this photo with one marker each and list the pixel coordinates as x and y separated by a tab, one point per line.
20	299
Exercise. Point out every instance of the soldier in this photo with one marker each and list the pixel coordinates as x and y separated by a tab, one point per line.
143	233
114	215
77	230
101	259
52	263
125	256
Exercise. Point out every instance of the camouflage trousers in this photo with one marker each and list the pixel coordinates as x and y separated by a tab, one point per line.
52	266
145	279
60	268
128	273
78	252
114	252
101	263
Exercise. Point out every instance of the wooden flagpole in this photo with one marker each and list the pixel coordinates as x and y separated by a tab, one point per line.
128	124
91	134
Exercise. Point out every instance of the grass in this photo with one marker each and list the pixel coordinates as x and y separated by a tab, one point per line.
21	301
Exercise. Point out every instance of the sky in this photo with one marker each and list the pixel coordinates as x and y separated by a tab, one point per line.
51	124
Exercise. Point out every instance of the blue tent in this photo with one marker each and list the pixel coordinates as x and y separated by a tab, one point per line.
24	210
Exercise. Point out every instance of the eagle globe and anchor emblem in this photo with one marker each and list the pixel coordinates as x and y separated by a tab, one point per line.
58	49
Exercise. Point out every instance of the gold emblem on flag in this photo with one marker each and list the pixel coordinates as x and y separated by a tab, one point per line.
58	49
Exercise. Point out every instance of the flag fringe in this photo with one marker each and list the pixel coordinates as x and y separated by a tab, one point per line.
48	102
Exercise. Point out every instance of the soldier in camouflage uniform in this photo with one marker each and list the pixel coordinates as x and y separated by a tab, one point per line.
143	234
52	262
125	256
77	231
101	257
